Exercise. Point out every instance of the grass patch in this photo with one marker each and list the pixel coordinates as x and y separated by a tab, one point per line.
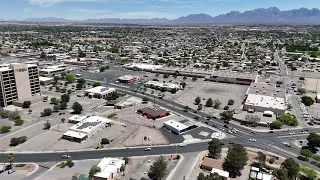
20	165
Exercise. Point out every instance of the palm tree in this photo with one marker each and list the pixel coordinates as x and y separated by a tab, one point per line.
10	158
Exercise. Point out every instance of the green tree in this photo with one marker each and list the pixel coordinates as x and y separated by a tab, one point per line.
282	173
235	160
288	120
200	107
63	105
26	104
95	84
81	81
158	169
214	148
313	140
186	108
276	125
19	140
145	100
209	102
46	112
94	170
54	100
197	101
262	157
79	86
230	102
105	141
307	100
310	174
201	176
292	167
77	108
65	97
70	78
227	115
306	153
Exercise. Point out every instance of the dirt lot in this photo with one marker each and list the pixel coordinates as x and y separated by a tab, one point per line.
137	138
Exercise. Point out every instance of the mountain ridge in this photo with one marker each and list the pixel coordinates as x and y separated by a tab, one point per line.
271	15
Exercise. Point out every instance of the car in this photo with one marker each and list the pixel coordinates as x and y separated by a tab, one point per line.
207	122
271	132
226	122
213	125
230	132
65	156
196	117
252	140
147	149
208	118
310	123
305	132
226	126
231	142
222	129
292	133
284	130
286	144
253	132
62	113
221	143
182	144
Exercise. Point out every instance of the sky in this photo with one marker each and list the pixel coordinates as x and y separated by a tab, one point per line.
86	9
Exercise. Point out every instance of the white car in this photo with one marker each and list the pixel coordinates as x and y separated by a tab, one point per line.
305	132
65	156
252	140
284	130
147	149
292	133
182	144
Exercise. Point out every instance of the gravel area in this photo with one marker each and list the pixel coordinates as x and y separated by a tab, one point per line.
137	138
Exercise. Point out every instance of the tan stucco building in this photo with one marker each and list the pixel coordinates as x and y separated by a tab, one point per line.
17	82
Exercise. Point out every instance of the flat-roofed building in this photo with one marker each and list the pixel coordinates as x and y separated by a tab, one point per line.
18	82
99	92
45	80
127	78
215	166
265	97
158	85
153	112
178	127
232	77
110	169
53	70
86	128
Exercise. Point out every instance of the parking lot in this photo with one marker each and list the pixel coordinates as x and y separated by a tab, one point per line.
205	90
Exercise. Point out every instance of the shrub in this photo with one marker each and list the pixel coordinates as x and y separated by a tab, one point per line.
276	125
26	104
16	141
271	161
5	129
307	100
105	141
226	108
230	102
18	122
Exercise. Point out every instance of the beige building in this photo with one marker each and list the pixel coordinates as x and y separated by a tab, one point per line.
17	82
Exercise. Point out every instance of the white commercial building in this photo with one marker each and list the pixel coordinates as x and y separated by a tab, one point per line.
110	169
143	67
263	97
86	128
158	85
178	127
53	70
100	92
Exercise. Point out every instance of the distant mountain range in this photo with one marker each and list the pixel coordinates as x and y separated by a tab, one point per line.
270	15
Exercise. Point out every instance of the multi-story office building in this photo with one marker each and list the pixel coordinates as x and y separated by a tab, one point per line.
18	82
